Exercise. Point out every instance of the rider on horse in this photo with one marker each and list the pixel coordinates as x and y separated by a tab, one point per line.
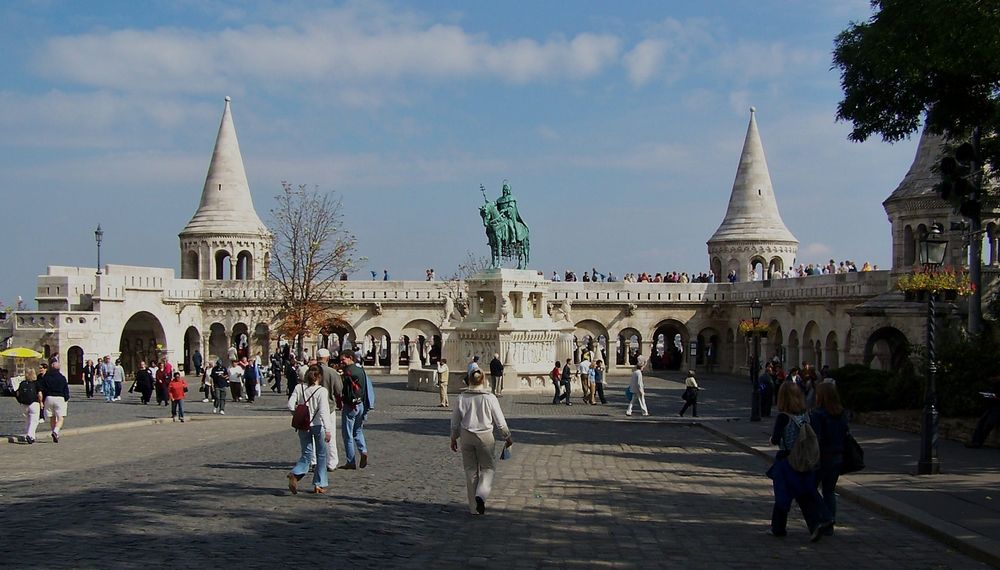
507	206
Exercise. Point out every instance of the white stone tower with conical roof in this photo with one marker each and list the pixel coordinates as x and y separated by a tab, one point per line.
225	238
752	235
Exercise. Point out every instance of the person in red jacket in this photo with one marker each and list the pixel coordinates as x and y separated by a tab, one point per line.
175	391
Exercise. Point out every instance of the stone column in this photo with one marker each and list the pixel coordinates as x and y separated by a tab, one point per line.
612	362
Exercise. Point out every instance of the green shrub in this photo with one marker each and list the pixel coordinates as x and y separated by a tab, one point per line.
864	389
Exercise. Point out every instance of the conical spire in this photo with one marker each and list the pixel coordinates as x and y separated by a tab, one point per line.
226	206
920	180
753	212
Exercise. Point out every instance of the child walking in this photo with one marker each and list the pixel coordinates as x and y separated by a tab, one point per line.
176	391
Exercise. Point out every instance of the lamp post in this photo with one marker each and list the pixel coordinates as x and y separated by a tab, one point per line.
99	237
756	308
931	255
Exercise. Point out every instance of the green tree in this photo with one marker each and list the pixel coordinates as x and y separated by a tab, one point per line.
937	63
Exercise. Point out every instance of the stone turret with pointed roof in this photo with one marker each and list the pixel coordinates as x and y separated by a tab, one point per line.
225	238
752	233
914	205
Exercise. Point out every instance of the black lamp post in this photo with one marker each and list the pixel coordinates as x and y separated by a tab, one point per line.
931	255
756	309
99	237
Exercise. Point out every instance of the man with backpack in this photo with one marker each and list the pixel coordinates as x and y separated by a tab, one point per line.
54	389
355	386
27	395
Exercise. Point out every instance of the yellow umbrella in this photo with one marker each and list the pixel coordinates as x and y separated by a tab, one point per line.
20	353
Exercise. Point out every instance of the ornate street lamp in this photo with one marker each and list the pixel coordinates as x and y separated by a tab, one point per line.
99	237
756	309
931	255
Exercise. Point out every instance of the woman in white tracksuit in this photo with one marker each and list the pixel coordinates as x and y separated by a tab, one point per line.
638	388
477	413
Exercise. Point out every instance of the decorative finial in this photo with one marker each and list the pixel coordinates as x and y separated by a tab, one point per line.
228	99
752	109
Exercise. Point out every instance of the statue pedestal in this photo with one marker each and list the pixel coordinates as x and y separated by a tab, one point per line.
508	316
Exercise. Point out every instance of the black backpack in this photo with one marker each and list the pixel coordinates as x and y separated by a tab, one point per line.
27	392
354	392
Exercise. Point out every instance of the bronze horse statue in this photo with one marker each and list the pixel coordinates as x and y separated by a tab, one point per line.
503	245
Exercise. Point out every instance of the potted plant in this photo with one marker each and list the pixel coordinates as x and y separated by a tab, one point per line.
951	283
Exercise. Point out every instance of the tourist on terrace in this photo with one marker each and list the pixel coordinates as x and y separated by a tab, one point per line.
54	389
177	391
637	387
236	380
89	371
566	379
144	382
554	375
32	403
598	373
315	440
443	373
830	424
690	395
477	413
220	384
789	484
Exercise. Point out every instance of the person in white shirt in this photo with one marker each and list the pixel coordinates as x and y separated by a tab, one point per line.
236	381
473	366
320	432
477	413
637	387
584	370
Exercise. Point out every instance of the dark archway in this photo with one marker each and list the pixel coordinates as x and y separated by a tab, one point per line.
377	347
629	347
887	349
192	342
244	266
142	339
218	344
241	340
74	365
670	340
223	265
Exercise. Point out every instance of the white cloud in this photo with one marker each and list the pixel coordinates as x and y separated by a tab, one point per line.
336	46
815	251
547	133
644	60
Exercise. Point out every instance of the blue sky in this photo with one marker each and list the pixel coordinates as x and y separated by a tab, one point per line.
619	125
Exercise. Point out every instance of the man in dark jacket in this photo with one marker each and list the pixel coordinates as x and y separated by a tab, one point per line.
991	417
54	390
220	385
496	375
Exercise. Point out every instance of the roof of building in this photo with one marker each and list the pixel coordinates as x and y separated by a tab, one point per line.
752	214
226	206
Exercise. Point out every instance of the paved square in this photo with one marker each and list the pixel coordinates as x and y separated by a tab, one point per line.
585	488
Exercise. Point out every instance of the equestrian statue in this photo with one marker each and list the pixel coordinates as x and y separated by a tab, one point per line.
505	230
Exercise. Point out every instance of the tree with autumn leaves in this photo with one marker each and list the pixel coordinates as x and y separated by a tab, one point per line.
311	249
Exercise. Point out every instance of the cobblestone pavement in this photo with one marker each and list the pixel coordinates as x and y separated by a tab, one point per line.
587	491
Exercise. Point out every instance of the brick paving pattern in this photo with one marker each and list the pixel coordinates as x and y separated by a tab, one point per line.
585	488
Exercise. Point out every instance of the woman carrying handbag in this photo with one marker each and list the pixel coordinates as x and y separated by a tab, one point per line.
830	424
310	405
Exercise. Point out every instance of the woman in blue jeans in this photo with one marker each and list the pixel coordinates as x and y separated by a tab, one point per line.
830	424
791	485
316	438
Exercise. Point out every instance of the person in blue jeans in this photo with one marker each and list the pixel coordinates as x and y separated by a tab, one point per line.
315	439
354	412
830	424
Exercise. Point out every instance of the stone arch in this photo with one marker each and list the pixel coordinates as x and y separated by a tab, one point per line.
261	342
774	344
377	347
218	344
832	354
142	338
775	268
240	338
192	342
223	265
793	349
709	347
74	365
758	268
886	349
909	246
191	268
244	266
733	265
666	354
590	334
424	337
335	335
812	347
717	269
630	346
